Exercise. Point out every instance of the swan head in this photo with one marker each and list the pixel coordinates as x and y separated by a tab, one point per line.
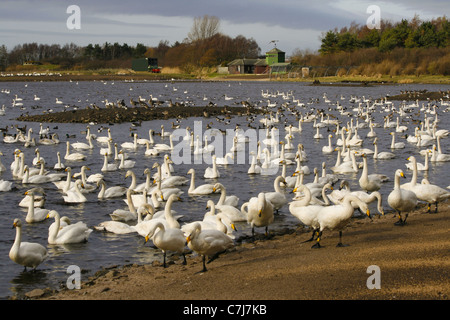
191	171
52	214
17	223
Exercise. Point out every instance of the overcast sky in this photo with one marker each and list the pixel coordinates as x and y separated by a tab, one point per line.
294	23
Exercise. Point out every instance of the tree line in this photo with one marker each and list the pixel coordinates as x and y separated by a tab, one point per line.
412	47
204	46
404	34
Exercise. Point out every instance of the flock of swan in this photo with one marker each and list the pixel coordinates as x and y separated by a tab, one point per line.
318	205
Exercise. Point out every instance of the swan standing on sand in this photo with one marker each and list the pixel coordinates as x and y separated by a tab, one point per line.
27	254
167	239
208	243
401	200
73	233
259	212
337	217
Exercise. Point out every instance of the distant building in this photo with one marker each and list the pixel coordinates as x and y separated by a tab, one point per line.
145	64
274	62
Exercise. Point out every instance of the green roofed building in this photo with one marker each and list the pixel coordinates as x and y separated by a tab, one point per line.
274	62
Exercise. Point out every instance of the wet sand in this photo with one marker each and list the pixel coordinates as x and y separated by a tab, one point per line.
413	262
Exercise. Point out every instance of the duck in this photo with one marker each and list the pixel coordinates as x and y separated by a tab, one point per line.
167	239
259	212
208	243
204	189
73	233
336	217
401	200
27	254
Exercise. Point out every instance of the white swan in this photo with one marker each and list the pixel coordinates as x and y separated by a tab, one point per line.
161	147
125	164
204	189
401	200
328	148
277	197
396	145
208	242
382	155
254	168
259	212
27	254
337	217
118	227
123	214
35	214
74	194
167	239
428	192
82	145
224	199
59	165
370	182
130	145
212	172
108	166
73	233
73	156
420	166
111	192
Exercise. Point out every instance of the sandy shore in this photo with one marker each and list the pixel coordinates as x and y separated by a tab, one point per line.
413	263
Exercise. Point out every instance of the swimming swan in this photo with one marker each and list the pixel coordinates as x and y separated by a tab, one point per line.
73	233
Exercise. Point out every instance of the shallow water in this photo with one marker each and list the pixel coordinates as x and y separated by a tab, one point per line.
104	249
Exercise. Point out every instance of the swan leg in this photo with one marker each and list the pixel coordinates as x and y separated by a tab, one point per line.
164	263
312	236
340	244
400	221
204	264
317	244
184	259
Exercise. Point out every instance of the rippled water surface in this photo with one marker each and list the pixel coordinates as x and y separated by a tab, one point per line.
105	249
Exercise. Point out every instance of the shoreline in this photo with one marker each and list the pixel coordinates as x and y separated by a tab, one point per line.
413	262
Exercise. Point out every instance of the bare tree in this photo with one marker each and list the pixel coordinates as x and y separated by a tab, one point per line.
203	28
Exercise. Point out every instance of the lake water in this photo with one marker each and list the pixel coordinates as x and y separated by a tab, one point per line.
105	249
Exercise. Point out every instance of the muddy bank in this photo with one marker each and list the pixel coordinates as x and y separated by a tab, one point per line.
136	114
421	95
413	261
